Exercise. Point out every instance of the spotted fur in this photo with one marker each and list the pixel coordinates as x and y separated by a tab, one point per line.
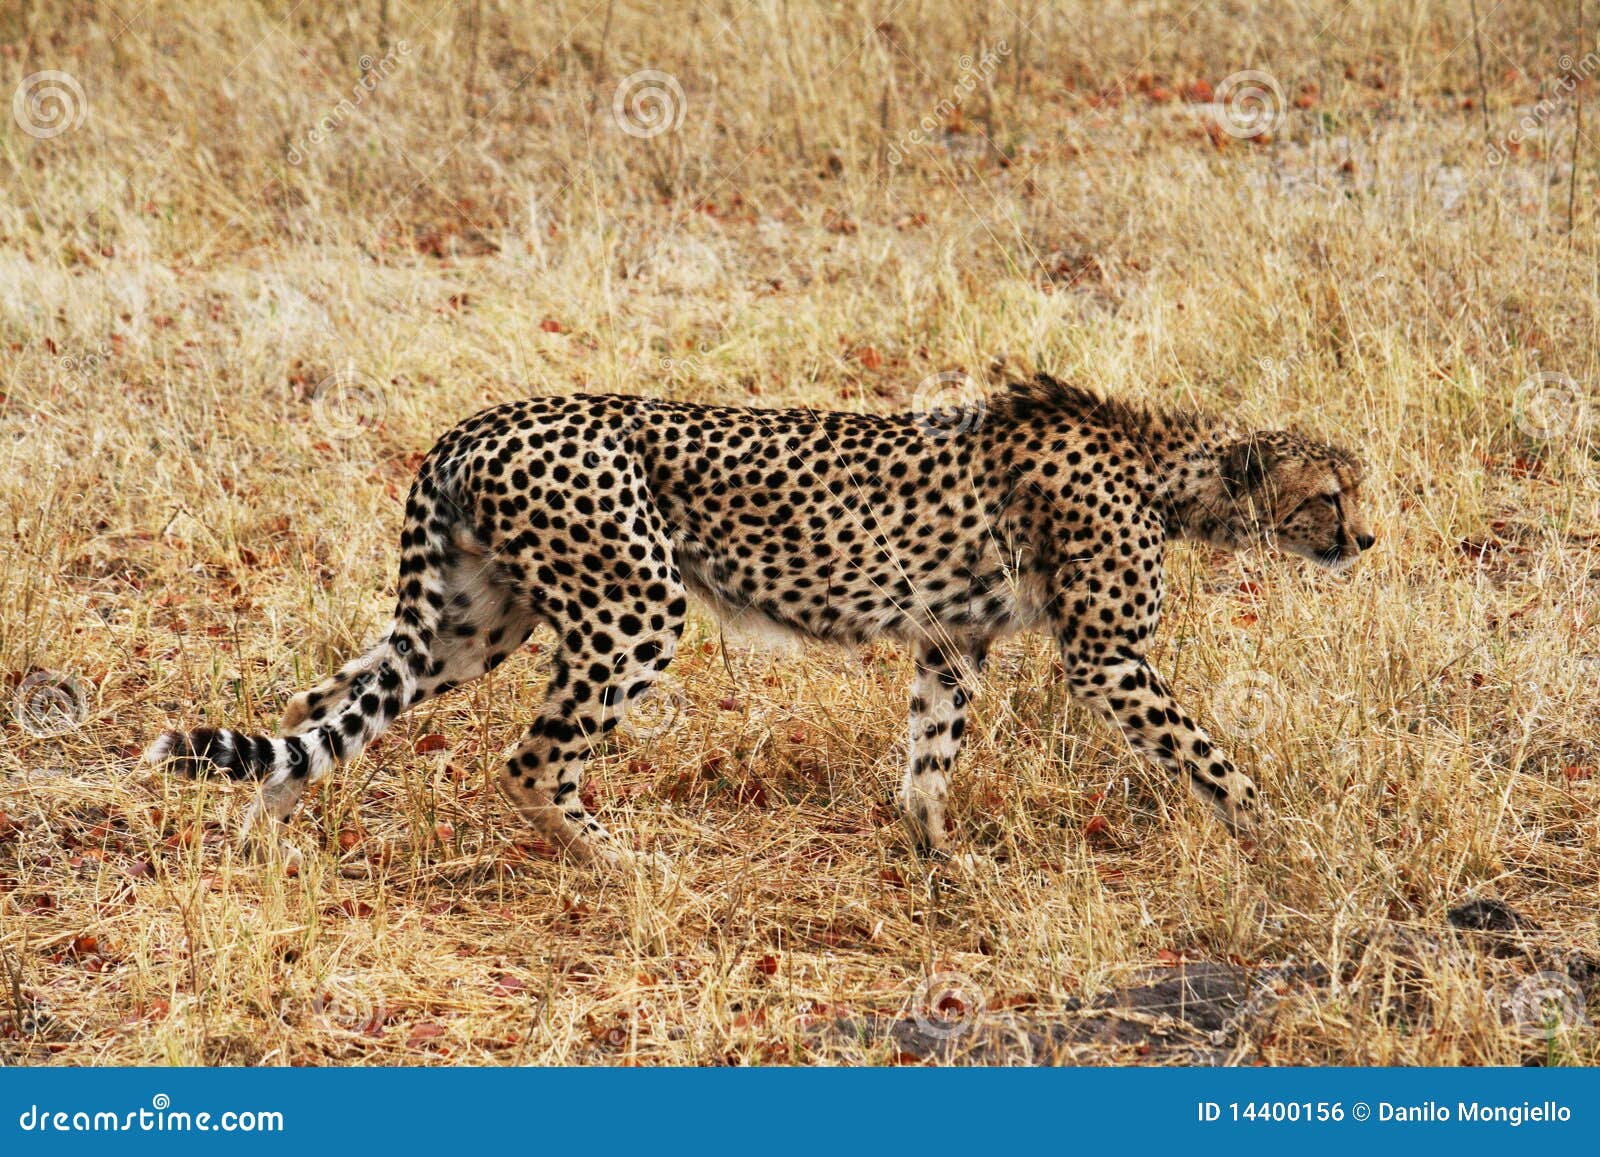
1045	507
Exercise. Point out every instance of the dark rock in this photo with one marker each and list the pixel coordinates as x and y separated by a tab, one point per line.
1489	916
1192	1014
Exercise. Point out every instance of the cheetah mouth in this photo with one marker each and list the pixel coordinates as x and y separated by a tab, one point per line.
1331	558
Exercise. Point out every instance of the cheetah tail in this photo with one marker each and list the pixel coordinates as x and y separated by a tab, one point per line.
240	756
371	702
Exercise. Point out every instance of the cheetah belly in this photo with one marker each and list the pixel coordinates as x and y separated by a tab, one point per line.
846	601
746	627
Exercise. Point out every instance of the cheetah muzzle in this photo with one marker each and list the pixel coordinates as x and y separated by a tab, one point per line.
597	515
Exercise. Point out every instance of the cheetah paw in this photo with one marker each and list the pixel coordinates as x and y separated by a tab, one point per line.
261	849
655	864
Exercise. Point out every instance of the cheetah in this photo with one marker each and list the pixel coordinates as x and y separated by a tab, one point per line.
1040	506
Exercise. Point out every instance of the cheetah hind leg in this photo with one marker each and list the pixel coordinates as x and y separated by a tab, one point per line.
940	696
601	675
482	624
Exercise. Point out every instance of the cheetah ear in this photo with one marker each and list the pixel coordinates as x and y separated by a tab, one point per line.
1244	465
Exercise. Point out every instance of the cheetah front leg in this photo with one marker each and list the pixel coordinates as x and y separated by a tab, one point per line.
1128	689
939	697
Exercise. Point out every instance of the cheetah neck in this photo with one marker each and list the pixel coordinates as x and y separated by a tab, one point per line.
1182	448
1184	451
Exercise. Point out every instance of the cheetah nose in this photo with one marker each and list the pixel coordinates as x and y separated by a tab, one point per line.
1365	541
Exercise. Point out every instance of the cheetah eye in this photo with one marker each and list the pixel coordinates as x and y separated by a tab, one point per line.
1331	499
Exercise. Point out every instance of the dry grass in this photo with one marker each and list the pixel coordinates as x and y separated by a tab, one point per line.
184	541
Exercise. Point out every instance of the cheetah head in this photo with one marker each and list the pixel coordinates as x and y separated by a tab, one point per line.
1296	493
